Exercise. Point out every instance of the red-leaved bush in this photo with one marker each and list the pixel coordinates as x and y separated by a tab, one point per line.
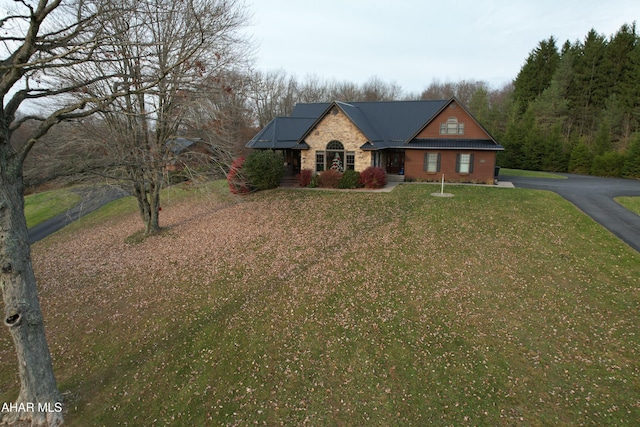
304	177
329	178
235	178
373	177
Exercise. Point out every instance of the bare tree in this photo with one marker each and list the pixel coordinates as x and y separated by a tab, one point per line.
464	90
272	94
223	119
37	38
375	89
167	51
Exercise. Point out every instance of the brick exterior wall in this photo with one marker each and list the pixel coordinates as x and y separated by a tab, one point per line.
471	129
484	163
335	126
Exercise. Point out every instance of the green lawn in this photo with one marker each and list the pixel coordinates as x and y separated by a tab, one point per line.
40	207
631	203
532	174
495	307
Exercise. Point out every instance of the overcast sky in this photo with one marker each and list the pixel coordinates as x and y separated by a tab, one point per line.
413	42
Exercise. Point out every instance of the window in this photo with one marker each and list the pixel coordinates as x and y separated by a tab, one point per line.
335	157
432	162
335	145
351	160
464	163
319	161
452	127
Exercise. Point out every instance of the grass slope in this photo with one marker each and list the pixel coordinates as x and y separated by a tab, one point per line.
494	307
631	203
40	207
531	174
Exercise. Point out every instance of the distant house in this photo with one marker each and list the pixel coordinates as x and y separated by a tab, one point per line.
420	140
186	152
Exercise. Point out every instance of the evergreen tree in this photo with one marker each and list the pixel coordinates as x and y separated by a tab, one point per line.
533	146
536	74
618	59
608	164
602	143
581	159
512	155
629	88
589	89
556	157
631	167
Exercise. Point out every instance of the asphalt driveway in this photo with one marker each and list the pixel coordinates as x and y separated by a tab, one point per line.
92	199
594	196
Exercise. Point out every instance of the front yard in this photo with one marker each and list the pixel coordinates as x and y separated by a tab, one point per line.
494	307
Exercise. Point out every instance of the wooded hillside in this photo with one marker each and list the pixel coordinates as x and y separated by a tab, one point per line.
577	108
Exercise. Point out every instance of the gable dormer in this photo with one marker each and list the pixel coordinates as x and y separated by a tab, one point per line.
453	122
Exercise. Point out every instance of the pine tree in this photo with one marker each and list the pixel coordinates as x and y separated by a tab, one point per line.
589	89
536	74
602	142
631	167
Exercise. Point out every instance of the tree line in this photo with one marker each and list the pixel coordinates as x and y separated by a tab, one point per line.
577	108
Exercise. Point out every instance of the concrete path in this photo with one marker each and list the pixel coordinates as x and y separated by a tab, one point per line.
594	196
92	199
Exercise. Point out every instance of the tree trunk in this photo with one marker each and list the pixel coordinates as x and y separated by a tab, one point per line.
39	400
148	197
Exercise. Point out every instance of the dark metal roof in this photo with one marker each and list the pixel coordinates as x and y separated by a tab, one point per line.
396	121
310	109
281	133
385	124
454	144
177	145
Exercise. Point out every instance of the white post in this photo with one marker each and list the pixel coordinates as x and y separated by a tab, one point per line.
442	187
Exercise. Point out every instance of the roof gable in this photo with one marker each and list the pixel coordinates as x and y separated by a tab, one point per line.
477	131
384	123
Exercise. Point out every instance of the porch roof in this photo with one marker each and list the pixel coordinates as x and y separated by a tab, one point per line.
281	133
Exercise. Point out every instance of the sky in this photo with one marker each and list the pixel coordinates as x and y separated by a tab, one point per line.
412	43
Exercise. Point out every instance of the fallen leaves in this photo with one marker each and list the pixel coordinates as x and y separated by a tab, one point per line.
329	308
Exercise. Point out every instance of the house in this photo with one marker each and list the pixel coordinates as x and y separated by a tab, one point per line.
186	152
420	140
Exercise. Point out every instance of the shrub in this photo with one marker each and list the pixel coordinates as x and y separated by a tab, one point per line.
236	179
264	169
581	159
608	164
373	177
304	177
350	179
329	178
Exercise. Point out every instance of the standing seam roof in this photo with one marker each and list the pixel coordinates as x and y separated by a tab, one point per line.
385	123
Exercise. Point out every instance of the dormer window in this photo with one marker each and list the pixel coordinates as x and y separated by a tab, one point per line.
452	127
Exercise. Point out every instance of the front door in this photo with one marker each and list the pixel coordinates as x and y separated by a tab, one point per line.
395	161
292	162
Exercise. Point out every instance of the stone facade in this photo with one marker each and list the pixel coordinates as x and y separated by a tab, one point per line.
335	126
